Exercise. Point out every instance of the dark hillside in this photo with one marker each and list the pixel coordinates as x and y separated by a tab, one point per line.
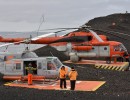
50	51
115	22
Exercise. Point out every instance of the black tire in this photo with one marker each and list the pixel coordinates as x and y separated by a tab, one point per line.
108	60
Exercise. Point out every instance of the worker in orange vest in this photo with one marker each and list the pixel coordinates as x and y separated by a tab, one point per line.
30	72
73	76
62	75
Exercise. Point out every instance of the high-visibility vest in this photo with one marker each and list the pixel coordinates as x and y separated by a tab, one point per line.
73	75
66	70
62	74
29	69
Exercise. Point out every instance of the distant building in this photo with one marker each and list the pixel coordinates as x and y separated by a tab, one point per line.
126	12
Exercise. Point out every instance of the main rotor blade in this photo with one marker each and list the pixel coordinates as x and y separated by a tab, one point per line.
74	39
111	33
59	29
28	40
83	26
7	44
42	36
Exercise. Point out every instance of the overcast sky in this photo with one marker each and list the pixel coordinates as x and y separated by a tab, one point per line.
25	15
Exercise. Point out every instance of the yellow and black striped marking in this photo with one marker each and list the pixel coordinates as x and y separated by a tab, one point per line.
118	67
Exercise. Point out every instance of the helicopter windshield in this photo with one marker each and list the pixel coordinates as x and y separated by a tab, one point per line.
120	47
57	62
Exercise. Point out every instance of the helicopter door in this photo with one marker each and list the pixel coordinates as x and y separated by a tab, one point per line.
42	67
26	65
104	51
52	71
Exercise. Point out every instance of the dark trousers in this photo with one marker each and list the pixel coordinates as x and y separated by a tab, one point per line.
61	83
72	84
127	60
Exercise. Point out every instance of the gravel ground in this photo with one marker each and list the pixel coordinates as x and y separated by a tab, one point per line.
117	86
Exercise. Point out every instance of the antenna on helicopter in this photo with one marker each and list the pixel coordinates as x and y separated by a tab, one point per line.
42	20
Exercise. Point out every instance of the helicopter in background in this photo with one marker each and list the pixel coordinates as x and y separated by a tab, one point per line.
78	44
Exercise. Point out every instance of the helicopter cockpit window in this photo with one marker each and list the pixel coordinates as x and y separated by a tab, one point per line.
50	66
57	63
122	47
119	48
116	48
18	66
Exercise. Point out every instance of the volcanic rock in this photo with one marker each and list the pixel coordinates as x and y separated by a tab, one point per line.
51	51
113	26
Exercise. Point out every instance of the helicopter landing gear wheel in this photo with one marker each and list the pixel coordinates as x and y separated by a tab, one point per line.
120	59
108	60
74	58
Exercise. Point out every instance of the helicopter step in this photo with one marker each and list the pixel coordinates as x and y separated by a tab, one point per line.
118	66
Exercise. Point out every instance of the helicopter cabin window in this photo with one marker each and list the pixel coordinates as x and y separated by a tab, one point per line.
1	59
105	48
18	66
50	66
39	66
57	63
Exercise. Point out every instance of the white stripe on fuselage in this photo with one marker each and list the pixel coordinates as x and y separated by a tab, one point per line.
96	36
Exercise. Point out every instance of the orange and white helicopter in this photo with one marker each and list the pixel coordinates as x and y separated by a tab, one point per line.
77	44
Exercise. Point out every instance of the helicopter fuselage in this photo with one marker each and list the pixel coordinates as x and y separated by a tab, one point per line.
44	66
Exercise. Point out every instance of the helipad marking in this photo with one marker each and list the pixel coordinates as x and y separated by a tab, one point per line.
78	81
98	86
54	84
80	85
